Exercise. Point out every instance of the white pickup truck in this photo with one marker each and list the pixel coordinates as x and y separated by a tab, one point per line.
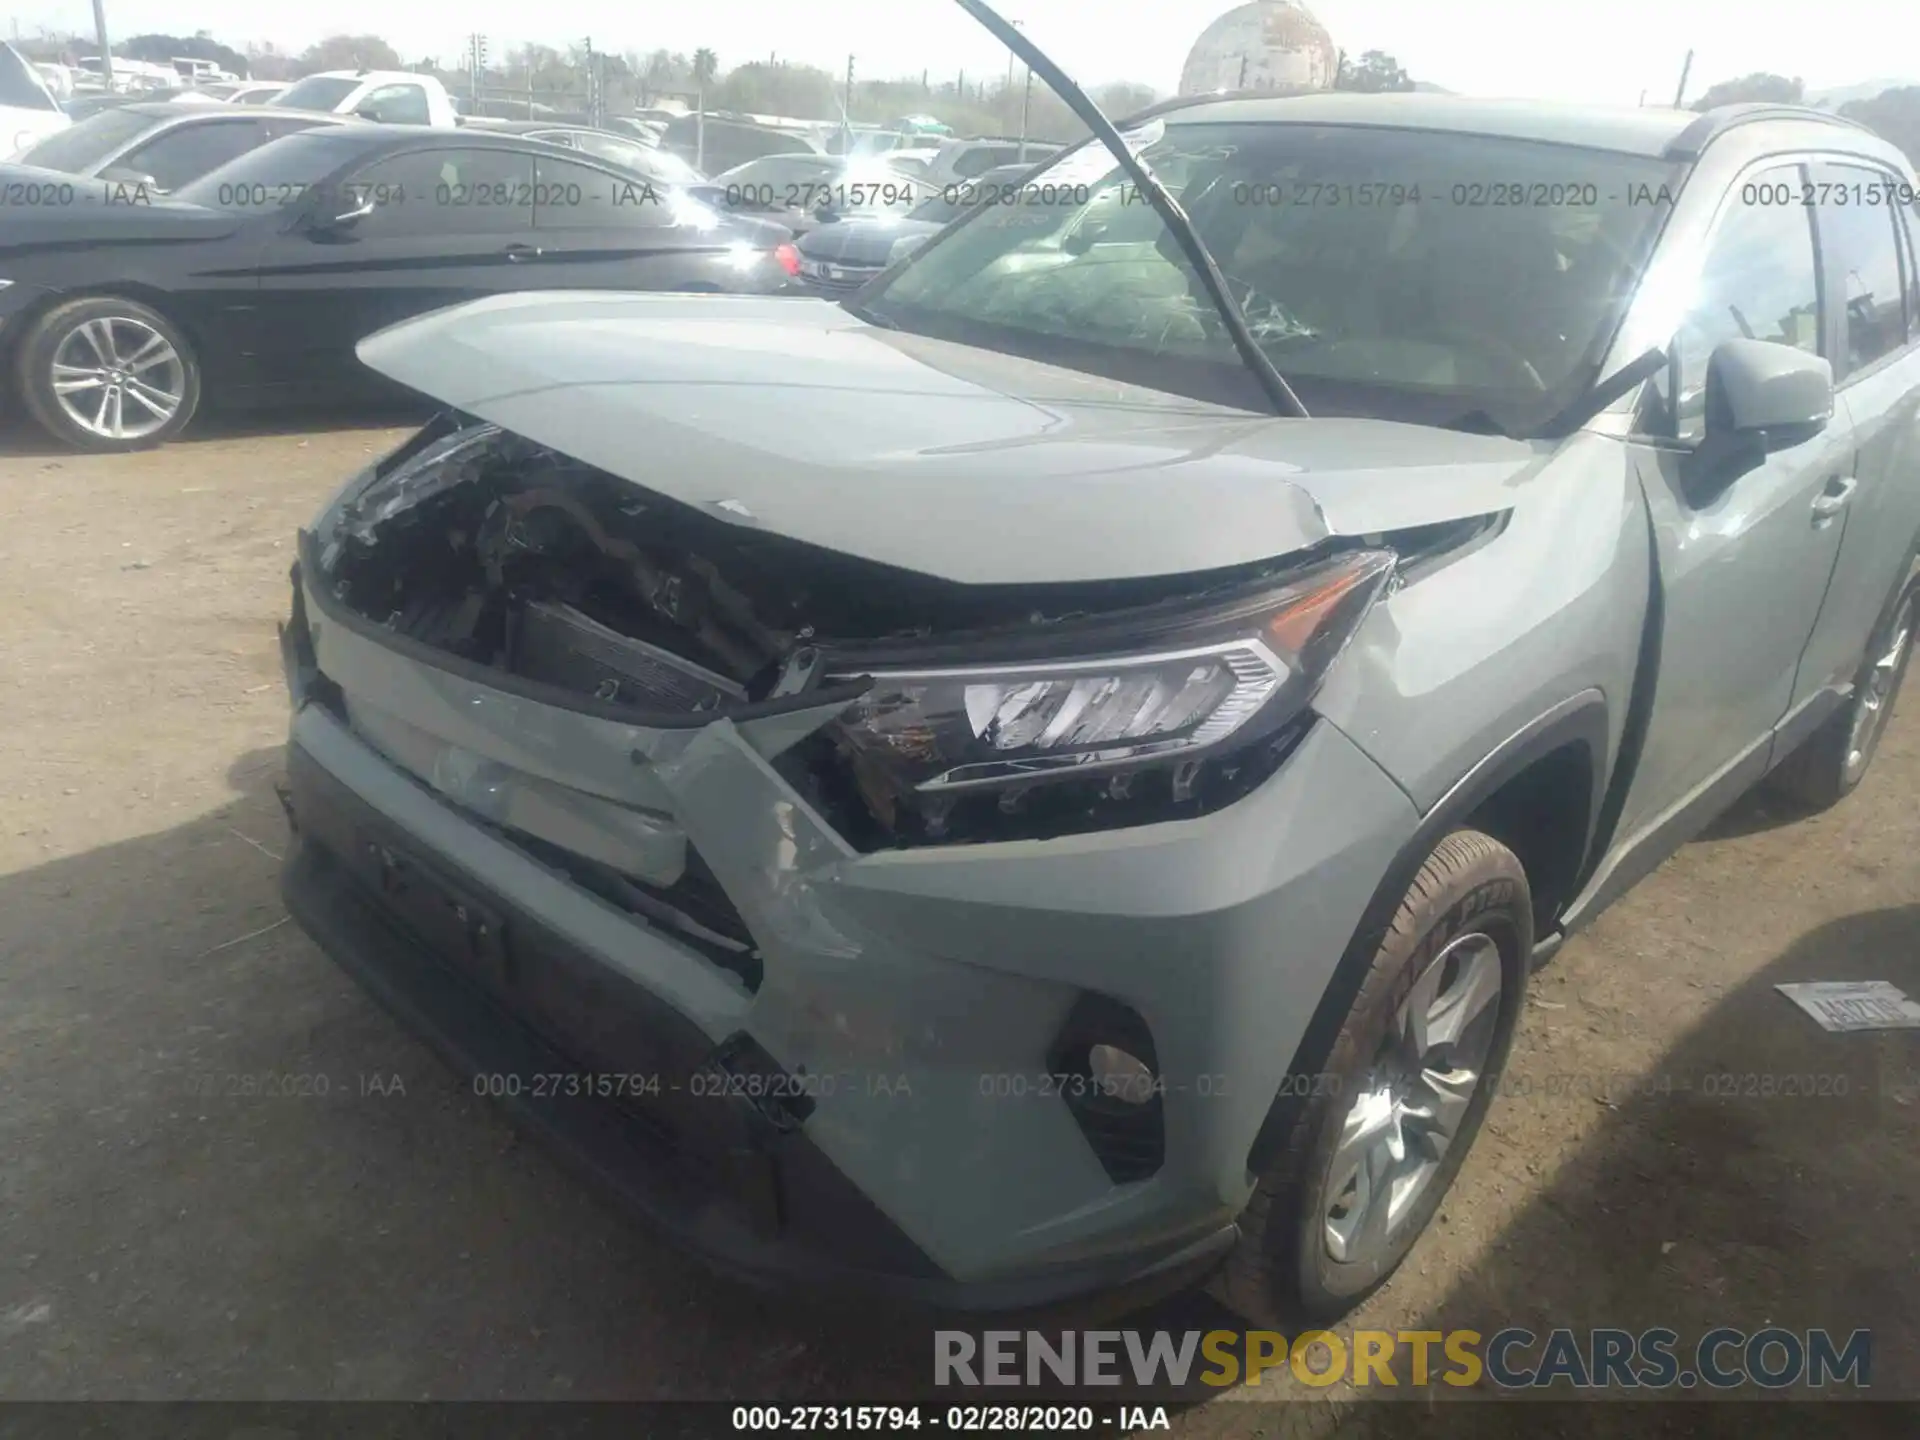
393	97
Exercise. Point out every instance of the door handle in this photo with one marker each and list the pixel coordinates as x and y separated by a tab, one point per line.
1833	498
517	253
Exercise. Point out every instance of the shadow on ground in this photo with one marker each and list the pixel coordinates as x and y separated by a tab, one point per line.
1715	1197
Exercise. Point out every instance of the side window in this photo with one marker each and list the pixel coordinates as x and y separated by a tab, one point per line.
191	151
446	191
1759	279
567	196
397	105
1857	218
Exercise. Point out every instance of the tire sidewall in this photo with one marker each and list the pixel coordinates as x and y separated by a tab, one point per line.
1905	599
50	332
1498	906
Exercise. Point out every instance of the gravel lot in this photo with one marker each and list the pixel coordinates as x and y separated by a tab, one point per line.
394	1240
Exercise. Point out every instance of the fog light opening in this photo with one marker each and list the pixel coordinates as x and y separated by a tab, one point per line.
1120	1075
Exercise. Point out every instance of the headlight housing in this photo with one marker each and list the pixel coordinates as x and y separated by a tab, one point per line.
1196	688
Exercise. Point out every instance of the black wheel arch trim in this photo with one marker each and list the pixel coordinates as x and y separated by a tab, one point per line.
1580	719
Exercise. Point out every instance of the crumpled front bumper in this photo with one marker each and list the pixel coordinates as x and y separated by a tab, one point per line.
885	1104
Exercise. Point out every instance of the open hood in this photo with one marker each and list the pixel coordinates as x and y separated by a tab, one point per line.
792	416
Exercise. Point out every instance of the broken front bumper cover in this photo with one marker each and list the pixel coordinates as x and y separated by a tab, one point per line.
701	1140
971	973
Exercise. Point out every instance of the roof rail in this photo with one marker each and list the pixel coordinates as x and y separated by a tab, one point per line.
1691	142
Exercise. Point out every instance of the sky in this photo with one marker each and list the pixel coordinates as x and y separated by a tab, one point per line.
1481	47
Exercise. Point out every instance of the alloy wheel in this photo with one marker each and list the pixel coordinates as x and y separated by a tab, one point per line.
118	378
1410	1106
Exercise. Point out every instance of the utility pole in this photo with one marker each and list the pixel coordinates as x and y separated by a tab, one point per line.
106	46
476	62
1681	94
1018	25
593	84
1026	105
846	112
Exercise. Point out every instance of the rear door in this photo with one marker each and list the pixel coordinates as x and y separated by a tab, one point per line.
447	223
1870	268
1743	575
598	230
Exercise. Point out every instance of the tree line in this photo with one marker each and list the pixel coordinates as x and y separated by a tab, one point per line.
979	103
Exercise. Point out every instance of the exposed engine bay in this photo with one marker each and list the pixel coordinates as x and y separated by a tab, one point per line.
488	547
509	554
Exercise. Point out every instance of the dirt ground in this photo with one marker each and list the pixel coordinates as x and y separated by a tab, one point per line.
393	1239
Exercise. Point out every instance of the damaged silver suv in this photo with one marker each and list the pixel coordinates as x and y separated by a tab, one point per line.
1051	774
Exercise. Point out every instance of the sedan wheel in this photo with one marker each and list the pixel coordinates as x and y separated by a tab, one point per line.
119	378
107	373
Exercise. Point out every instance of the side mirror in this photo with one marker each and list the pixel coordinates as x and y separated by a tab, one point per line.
371	111
123	175
1761	397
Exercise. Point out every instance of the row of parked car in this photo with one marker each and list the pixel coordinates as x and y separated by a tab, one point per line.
157	257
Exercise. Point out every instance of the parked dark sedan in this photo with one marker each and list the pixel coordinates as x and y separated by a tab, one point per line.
805	191
258	280
161	145
840	256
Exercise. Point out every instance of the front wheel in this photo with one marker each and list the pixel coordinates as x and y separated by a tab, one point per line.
108	373
1407	1084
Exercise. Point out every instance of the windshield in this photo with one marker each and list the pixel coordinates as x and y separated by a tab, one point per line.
85	143
316	92
1381	271
275	175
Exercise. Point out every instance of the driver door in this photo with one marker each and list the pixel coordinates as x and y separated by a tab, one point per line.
1742	575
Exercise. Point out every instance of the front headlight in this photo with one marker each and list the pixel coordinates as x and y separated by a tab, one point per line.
920	739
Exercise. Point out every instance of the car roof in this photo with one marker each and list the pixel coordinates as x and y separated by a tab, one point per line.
485	124
188	114
373	138
365	75
1654	131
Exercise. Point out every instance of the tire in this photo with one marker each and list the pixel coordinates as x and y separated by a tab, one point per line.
70	335
1466	919
1830	763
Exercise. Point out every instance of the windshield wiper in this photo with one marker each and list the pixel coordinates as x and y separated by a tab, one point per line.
1278	391
1603	393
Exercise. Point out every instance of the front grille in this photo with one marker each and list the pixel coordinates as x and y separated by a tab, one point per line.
844	282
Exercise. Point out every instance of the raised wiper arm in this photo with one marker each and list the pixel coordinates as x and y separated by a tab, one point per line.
1271	380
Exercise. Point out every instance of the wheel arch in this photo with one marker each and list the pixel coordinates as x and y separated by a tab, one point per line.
1563	749
151	296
